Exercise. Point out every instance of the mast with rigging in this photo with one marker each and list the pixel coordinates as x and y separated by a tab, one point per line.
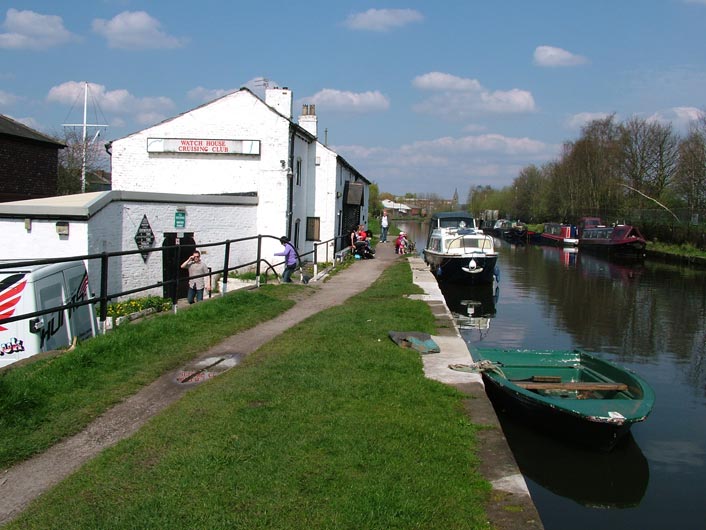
84	143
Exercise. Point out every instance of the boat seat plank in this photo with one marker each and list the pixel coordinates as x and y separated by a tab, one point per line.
577	385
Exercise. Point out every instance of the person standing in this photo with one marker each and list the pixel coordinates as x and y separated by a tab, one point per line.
291	259
384	225
196	285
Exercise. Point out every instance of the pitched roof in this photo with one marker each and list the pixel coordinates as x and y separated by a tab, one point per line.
242	91
10	127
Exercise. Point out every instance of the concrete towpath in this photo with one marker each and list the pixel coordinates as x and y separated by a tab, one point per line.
24	482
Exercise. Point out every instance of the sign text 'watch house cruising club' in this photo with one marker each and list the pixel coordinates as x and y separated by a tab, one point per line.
203	145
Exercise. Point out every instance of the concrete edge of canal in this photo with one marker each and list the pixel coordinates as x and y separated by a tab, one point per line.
510	505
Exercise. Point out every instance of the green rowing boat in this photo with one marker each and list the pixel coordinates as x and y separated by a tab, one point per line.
572	393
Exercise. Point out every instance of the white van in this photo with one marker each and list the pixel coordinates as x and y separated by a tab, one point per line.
25	290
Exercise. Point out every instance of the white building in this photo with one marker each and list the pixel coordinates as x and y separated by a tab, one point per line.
118	221
239	144
396	206
232	168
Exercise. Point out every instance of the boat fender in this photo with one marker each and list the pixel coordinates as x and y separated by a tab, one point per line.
439	272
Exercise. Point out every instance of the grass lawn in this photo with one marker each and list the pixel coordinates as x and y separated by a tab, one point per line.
330	426
52	398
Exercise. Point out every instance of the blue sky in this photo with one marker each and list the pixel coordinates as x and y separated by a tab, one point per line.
420	96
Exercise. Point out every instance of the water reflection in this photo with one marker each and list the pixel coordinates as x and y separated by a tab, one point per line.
648	316
472	305
596	266
567	257
617	479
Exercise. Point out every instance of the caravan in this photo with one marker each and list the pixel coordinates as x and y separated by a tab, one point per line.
26	290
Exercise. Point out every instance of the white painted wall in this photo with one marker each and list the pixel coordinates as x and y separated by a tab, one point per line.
41	241
240	116
113	228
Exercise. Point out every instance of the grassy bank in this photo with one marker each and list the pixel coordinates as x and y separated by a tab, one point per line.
331	425
676	250
52	398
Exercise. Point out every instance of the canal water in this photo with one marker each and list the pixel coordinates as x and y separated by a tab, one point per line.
649	317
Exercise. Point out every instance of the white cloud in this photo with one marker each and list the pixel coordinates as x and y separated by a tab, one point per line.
440	165
577	121
33	31
383	19
342	100
119	102
7	99
550	56
680	117
461	98
209	94
514	100
135	30
29	122
442	81
688	113
495	143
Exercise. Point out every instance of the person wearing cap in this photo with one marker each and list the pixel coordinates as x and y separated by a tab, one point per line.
401	243
291	259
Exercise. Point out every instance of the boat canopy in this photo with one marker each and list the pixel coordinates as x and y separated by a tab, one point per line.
452	220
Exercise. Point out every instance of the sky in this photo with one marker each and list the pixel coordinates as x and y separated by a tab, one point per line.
426	97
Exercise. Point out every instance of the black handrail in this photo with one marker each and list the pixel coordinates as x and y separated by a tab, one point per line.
104	296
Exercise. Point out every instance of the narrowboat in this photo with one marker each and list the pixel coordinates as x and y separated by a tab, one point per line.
619	241
559	234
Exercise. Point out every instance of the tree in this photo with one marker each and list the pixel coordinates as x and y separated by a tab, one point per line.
650	151
528	189
691	171
71	161
374	200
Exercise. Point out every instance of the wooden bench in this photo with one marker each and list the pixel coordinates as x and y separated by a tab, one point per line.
578	385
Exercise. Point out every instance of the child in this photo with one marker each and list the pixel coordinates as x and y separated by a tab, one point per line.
401	244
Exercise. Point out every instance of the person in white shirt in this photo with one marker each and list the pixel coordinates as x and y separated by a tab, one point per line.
384	225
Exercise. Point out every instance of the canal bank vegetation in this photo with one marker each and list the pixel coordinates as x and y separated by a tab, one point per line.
331	425
636	171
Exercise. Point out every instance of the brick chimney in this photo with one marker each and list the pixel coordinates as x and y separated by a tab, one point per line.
308	120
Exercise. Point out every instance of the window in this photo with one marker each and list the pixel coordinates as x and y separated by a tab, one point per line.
313	227
299	172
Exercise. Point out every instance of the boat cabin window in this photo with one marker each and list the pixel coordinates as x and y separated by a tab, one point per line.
464	243
620	232
457	223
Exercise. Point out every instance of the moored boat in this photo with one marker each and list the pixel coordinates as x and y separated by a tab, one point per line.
619	241
457	251
560	234
512	231
573	394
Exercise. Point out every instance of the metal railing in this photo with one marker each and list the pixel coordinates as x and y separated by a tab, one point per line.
104	296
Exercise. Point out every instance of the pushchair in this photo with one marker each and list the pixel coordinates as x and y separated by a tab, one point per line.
363	250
